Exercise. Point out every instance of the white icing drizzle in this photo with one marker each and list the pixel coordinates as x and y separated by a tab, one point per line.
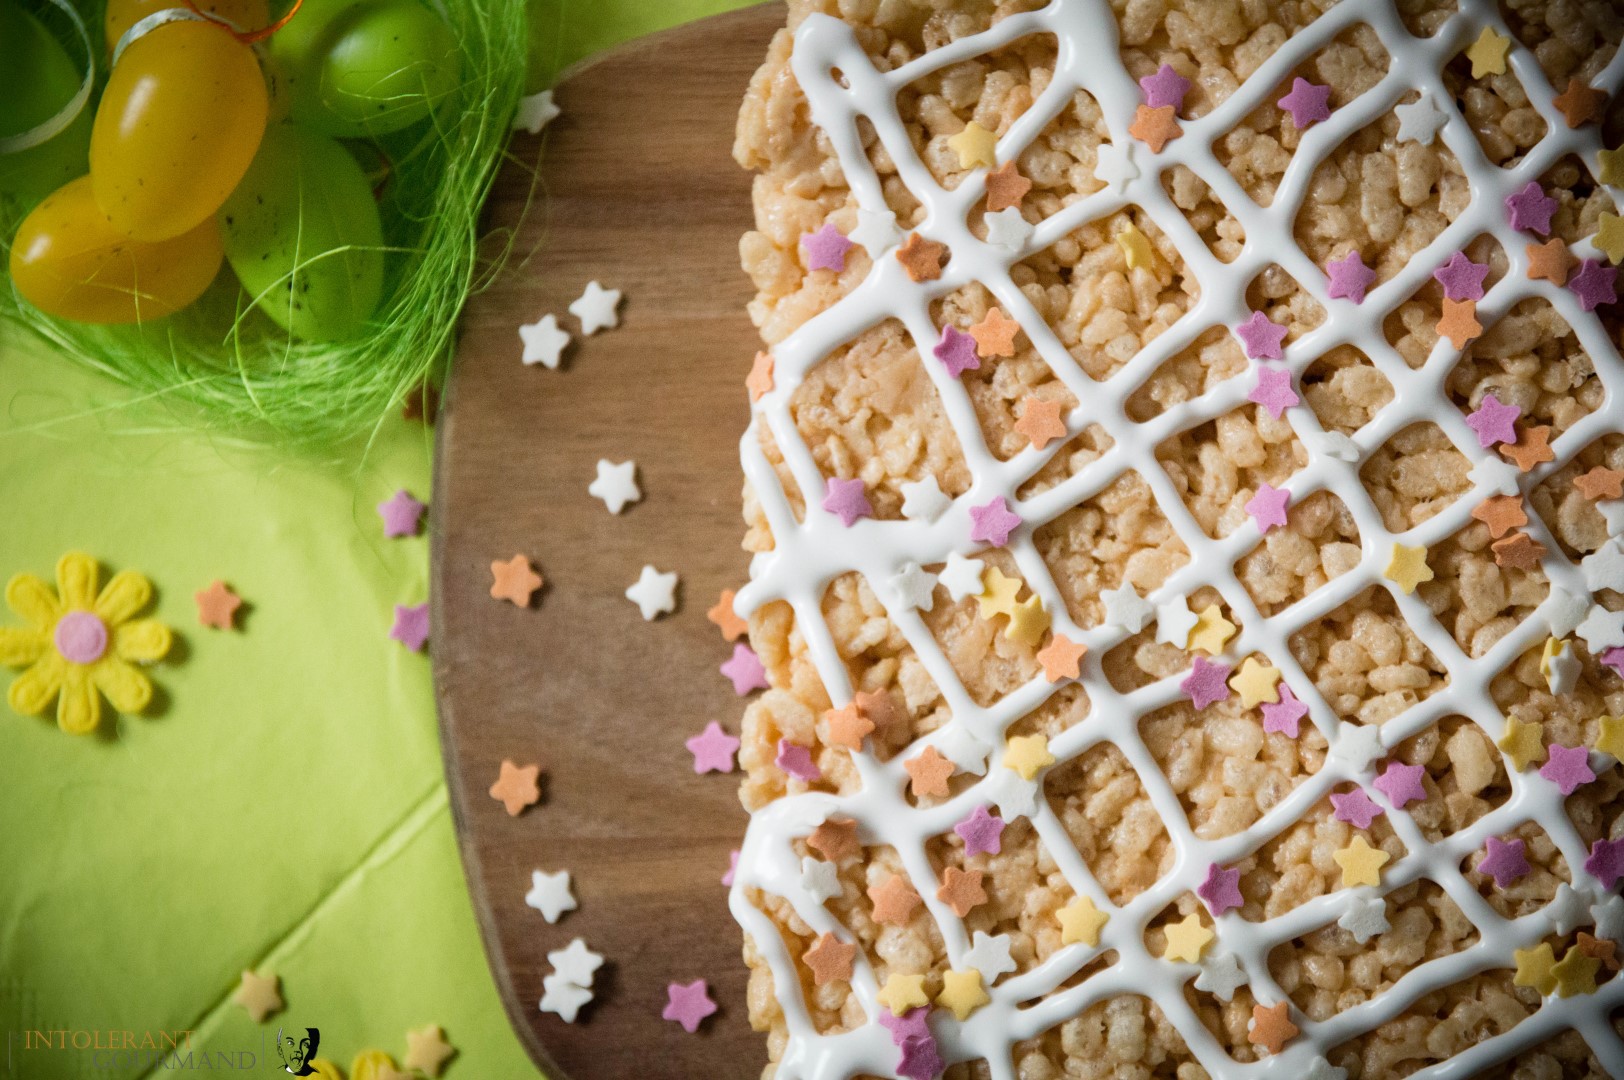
809	554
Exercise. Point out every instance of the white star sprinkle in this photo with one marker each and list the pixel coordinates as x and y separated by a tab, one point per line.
922	500
550	894
1221	976
535	112
1365	918
1174	621
1419	121
563	997
990	956
1612	512
1124	607
1561	669
1008	229
616	485
962	577
596	308
655	594
1604	568
914	587
1609	916
1016	798
1334	444
964	750
1494	475
575	963
1114	165
1567	909
819	879
1320	1069
1359	745
877	231
1602	629
544	342
1564	611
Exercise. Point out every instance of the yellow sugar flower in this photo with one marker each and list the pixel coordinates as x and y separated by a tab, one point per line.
82	644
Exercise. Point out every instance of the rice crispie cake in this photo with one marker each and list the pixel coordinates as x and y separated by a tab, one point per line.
1185	494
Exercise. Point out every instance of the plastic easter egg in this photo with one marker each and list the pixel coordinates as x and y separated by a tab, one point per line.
123	14
68	260
365	68
179	121
303	234
41	78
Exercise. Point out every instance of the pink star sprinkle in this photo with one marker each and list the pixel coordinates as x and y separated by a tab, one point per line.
1530	209
411	627
1401	784
826	249
910	1025
1505	861
1222	890
1595	284
796	760
1606	861
744	670
1285	715
1462	278
1207	683
401	514
920	1060
982	833
992	523
957	351
732	867
1349	278
1261	337
688	1005
847	500
1273	391
1356	808
1307	103
1268	507
713	750
1494	422
1613	657
1568	767
1166	87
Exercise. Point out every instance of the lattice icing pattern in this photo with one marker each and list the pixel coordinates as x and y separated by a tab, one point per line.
819	533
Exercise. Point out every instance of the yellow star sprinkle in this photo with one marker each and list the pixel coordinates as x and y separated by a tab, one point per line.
1609	238
1081	921
1611	171
1408	567
1186	940
1488	53
997	593
1534	968
1135	248
1026	754
1575	973
1361	864
975	145
1523	743
962	993
1610	739
258	995
1256	683
1027	622
1211	631
903	992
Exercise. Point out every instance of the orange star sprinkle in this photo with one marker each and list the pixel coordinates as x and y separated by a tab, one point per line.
1459	323
514	581
1271	1027
929	771
516	788
1156	127
836	839
922	258
1062	658
1518	550
217	606
1006	187
1580	103
726	619
1501	513
1549	261
848	727
878	707
995	334
830	959
1040	422
1600	483
1533	446
1602	949
961	890
894	901
760	379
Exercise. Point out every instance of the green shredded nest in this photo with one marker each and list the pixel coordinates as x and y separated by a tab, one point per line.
223	365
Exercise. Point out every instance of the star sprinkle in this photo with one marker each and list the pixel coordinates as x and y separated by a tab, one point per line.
258	995
1125	608
1349	278
1270	1027
847	500
744	670
964	750
1136	250
726	619
1174	621
1355	808
1014	797
1365	917
550	894
1268	507
957	351
1155	127
877	231
1501	513
1567	909
981	832
1559	666
217	606
1564	611
1494	422
1606	861
1407	567
1221	976
829	959
401	514
1187	939
998	598
1166	87
819	879
961	577
1114	167
713	749
1602	629
760	380
913	1024
1286	715
902	992
914	587
1307	103
1462	278
1609	917
1061	658
1493	474
894	901
921	258
1614	658
1534	968
688	1005
975	145
535	112
920	1059
1419	121
575	963
1595	284
1549	261
826	249
1523	743
411	627
995	334
1604	567
1401	783
962	993
1575	973
796	760
654	593
544	342
1028	621
1532	448
427	1050
1580	103
1359	745
1568	767
1261	338
516	787
1221	890
1610	737
1206	684
993	522
1273	391
1488	54
929	772
597	309
1040	421
1081	923
990	955
1519	551
563	998
1257	683
1027	754
514	580
1212	631
1600	483
1504	860
1006	187
1597	949
1459	323
1361	864
1609	238
615	484
1529	209
835	839
1008	229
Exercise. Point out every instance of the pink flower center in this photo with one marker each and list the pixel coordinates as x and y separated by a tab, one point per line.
81	637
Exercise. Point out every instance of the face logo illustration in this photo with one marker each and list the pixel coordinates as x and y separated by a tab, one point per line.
297	1052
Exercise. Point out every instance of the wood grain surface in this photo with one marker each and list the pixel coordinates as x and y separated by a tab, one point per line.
638	191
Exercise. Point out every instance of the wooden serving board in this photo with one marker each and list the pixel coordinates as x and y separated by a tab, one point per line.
638	191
